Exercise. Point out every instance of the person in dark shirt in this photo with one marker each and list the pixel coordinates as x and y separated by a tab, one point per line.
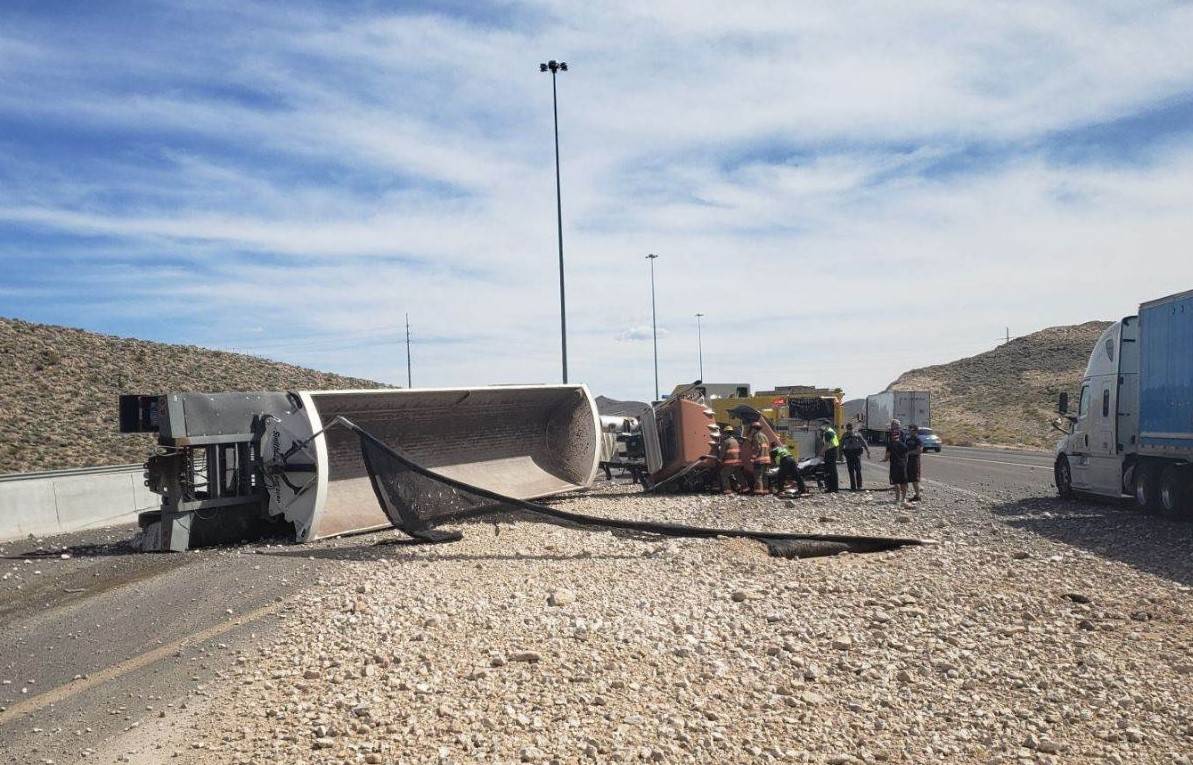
896	454
915	449
852	445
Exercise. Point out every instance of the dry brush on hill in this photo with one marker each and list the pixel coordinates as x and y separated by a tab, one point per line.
1007	395
59	389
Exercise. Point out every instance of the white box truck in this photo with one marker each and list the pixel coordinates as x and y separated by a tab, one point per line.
909	407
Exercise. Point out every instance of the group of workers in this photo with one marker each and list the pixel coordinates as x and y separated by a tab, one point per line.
748	459
748	465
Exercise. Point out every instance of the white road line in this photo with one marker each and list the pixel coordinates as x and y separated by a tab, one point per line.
110	673
958	489
943	485
995	462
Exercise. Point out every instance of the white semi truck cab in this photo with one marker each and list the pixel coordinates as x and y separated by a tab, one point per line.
1132	431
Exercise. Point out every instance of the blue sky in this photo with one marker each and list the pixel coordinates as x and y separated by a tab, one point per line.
845	191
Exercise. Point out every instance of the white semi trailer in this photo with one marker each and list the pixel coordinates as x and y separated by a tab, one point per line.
1132	433
909	407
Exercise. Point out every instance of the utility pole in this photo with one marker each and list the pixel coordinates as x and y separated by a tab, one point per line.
409	383
654	326
700	344
554	67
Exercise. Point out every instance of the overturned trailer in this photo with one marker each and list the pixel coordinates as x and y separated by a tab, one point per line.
230	460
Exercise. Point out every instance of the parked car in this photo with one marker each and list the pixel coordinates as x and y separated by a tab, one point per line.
932	442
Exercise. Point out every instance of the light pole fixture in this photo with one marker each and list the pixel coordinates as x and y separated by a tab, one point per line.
654	326
555	67
700	344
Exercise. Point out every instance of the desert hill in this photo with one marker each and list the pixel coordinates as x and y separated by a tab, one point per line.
59	389
1007	395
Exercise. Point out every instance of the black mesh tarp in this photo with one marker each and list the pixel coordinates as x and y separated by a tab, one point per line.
810	409
417	500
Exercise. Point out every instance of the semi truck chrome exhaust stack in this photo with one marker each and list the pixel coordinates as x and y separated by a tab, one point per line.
227	461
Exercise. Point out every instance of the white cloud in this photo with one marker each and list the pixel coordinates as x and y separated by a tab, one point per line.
639	334
772	155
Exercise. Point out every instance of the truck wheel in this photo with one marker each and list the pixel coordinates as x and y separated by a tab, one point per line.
1064	477
1173	496
1147	489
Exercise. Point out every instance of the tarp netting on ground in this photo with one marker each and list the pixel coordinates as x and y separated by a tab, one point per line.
417	500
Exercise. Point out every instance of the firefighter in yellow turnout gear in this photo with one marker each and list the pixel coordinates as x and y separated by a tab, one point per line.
730	454
759	456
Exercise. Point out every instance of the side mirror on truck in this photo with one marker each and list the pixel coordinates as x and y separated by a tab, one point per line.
1062	406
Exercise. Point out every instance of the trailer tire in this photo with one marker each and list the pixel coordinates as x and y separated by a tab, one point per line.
1062	476
1147	488
1173	495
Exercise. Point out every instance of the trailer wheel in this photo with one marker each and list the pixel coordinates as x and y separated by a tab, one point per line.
1174	492
1147	488
1064	477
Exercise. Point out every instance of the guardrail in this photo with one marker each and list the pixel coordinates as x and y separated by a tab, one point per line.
58	501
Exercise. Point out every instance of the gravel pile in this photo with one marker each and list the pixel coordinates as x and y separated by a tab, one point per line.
538	643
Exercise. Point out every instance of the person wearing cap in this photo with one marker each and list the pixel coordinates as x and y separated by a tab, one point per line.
830	458
896	454
730	455
788	469
852	446
759	455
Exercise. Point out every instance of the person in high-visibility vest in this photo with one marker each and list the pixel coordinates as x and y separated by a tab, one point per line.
830	458
730	455
788	469
759	455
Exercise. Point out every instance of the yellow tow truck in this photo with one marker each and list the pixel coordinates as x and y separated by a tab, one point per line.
795	412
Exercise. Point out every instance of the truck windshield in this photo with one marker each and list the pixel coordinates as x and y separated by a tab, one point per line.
1084	404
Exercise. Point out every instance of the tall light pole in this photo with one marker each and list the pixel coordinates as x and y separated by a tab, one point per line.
654	326
554	67
409	379
700	344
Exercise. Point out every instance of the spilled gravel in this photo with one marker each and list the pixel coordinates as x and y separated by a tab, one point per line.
538	643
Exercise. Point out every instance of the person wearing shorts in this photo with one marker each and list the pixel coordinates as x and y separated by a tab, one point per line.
896	454
915	450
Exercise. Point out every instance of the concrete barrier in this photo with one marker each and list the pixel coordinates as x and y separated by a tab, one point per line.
59	501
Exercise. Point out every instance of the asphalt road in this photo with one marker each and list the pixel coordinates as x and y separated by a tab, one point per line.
108	637
989	473
96	644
